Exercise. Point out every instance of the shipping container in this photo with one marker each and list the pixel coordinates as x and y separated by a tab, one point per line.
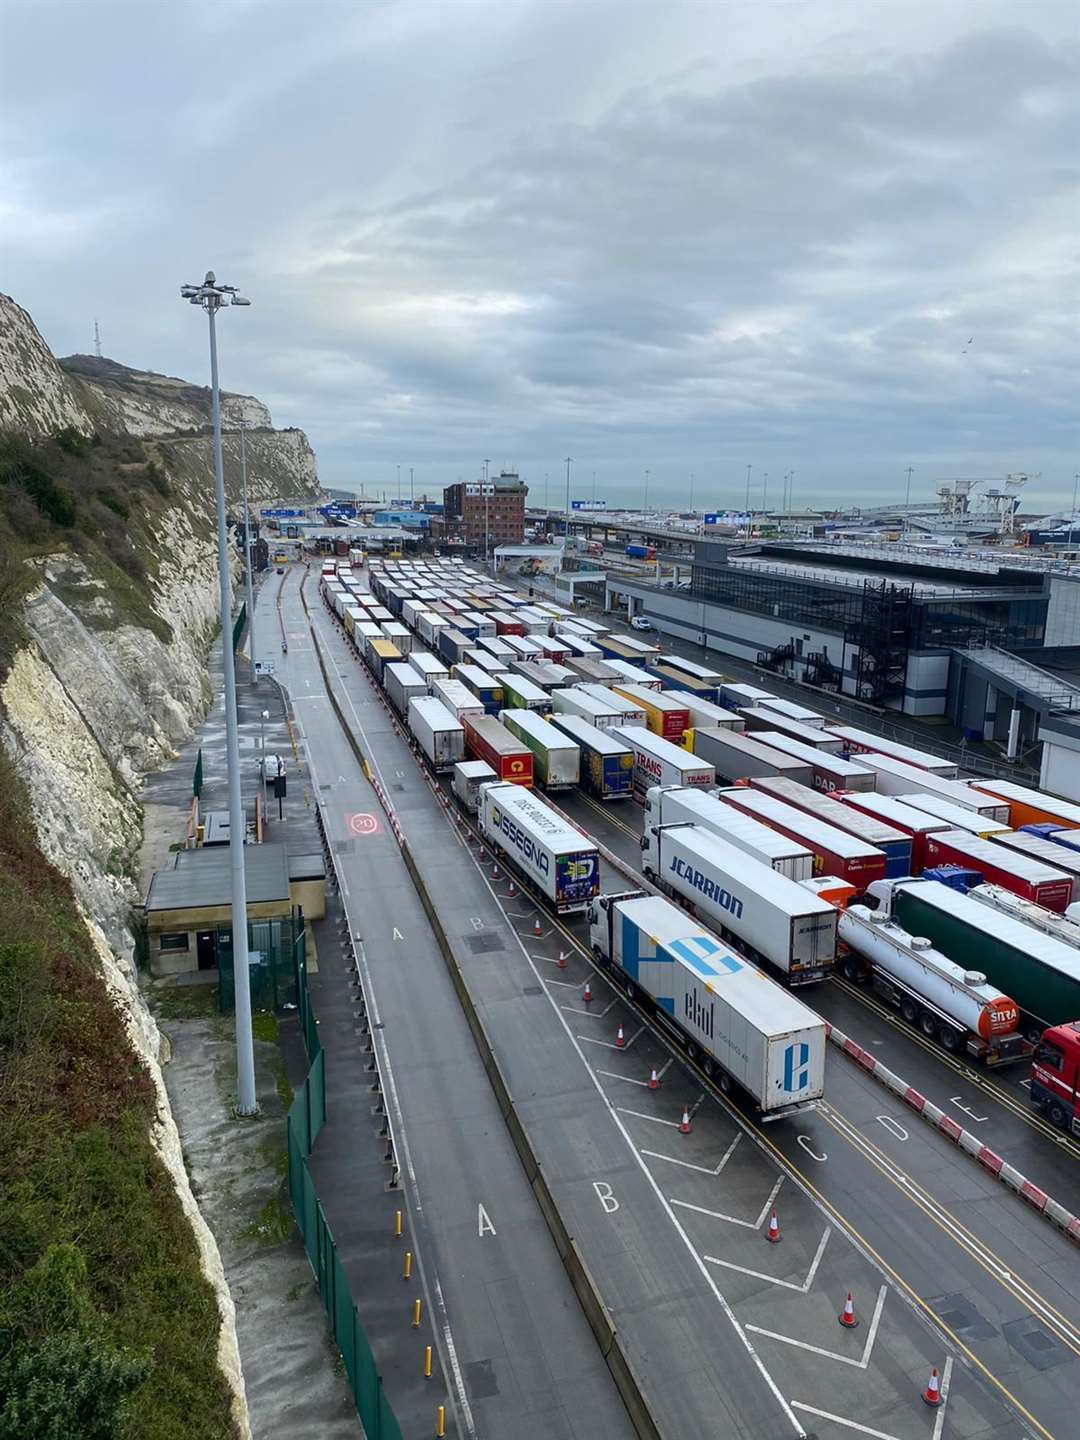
821	739
607	763
676	805
999	865
1030	807
543	673
402	683
381	653
439	735
955	816
484	686
486	739
1038	971
399	635
675	683
858	742
1058	857
457	698
522	694
428	666
828	772
791	711
895	844
737	696
738	757
916	824
507	624
579	702
949	1003
468	777
593	672
632	713
453	646
549	854
556	758
744	1028
771	918
708	716
635	675
664	715
835	851
659	762
896	778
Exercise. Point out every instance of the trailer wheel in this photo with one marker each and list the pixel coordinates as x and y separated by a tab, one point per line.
909	1010
691	1050
708	1066
631	989
725	1082
1056	1115
849	968
928	1025
949	1039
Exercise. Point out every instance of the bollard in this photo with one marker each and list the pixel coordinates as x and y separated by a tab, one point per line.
397	1224
440	1422
427	1362
406	1266
416	1314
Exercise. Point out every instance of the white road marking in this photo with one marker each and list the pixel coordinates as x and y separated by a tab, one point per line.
840	1420
946	1377
606	1196
483	1222
565	984
893	1126
611	1075
578	1011
802	1289
734	1219
610	1045
655	1119
831	1354
804	1141
689	1165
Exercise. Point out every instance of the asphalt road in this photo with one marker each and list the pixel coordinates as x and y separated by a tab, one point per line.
516	1350
733	1336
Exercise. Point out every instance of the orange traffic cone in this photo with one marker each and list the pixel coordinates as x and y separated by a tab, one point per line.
932	1393
620	1038
536	927
772	1234
510	894
684	1123
562	959
654	1079
587	993
847	1315
495	872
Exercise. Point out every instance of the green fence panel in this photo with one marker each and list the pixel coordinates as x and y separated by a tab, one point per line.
238	626
272	975
306	1117
197	778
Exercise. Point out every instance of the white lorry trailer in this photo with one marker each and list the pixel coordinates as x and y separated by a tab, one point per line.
771	918
551	856
742	1027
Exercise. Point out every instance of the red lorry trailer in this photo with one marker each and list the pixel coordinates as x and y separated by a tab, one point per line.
486	739
904	818
1052	889
835	852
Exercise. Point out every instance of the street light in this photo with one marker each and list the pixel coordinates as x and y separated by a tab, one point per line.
247	552
568	463
487	526
211	297
264	715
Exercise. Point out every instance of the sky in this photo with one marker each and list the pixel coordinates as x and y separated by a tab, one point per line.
836	238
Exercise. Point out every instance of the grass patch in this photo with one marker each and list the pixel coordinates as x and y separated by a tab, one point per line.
284	1089
185	1002
273	1226
107	1326
264	1026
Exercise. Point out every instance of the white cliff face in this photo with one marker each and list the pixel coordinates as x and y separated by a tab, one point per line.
92	701
35	396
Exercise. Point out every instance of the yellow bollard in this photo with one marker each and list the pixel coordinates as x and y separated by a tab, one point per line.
397	1224
440	1422
416	1314
406	1267
427	1362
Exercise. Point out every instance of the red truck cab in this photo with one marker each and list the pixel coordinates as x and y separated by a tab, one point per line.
1055	1075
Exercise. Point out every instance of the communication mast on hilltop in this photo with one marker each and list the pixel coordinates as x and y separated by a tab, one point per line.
97	340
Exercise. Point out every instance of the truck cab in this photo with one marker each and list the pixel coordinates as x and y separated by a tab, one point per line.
1055	1073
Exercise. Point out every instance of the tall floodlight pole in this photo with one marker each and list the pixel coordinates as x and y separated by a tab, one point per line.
411	502
748	469
907	492
645	506
247	552
211	297
568	463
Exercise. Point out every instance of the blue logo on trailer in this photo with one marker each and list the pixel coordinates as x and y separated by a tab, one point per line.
700	952
797	1066
711	519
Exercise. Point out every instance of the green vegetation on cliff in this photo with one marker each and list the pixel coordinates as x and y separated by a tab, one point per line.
108	1329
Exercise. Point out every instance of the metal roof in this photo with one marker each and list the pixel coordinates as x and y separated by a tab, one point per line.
202	879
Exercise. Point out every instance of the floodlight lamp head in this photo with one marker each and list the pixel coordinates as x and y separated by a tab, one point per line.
210	278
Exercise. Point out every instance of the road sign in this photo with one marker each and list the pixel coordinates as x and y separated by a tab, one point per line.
362	823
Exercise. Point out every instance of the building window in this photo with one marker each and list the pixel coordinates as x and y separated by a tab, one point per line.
175	942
